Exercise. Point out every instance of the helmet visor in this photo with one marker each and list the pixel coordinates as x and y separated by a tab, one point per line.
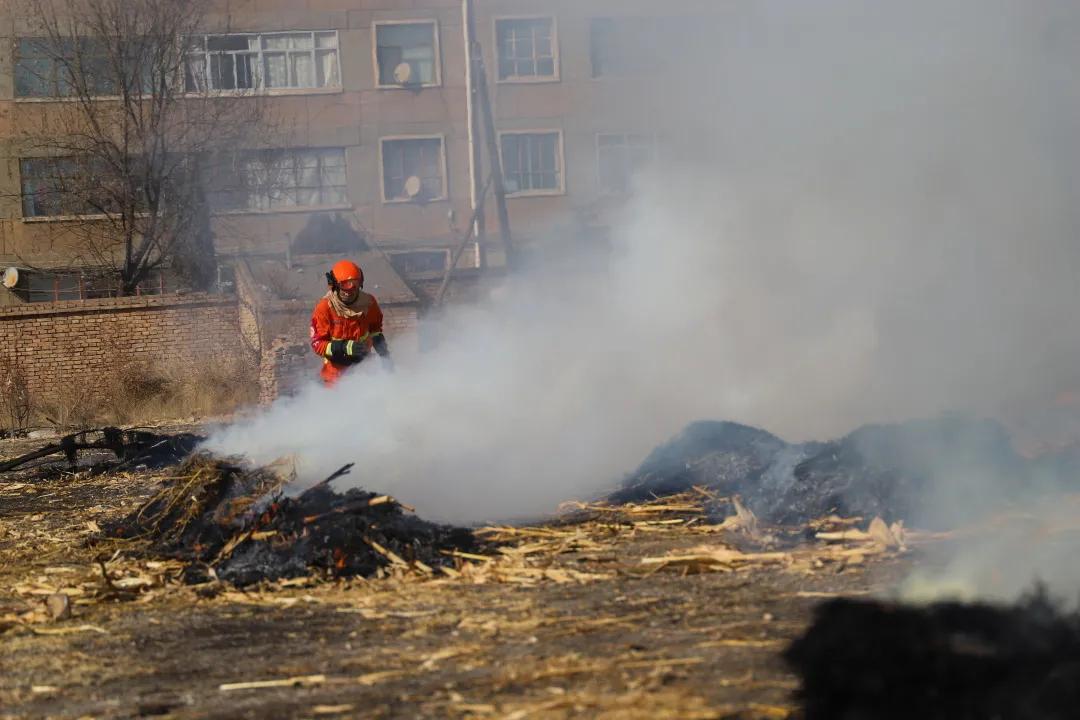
349	285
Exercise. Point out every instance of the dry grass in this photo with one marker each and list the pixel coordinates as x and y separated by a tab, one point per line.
143	392
173	390
78	407
553	621
15	405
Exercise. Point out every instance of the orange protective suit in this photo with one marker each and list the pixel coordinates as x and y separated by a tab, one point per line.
328	326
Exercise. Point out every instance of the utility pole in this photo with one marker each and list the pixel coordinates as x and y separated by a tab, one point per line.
478	229
476	57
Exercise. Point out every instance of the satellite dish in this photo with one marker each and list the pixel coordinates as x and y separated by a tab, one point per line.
11	277
403	73
412	186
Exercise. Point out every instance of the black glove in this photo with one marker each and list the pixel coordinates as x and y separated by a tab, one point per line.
356	350
379	341
347	351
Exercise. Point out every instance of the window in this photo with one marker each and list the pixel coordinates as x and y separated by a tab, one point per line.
44	181
63	186
44	68
636	45
619	158
40	286
407	54
421	263
532	162
265	61
413	169
527	48
277	179
81	185
49	287
602	45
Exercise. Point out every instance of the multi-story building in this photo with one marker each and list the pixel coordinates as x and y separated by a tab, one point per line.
375	94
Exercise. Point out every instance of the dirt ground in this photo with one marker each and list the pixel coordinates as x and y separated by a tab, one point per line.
566	621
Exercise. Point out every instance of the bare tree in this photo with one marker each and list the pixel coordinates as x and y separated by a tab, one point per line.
126	151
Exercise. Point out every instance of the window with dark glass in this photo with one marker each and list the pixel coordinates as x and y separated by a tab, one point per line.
527	48
60	186
407	53
413	169
602	45
39	286
532	162
263	61
421	262
47	68
638	45
277	179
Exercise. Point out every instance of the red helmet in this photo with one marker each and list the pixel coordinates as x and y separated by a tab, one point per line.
347	270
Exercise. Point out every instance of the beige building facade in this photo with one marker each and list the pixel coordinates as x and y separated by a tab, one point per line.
375	115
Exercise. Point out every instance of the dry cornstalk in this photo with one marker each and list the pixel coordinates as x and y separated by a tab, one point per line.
299	681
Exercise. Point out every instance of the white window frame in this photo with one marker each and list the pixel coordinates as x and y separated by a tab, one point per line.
442	167
599	179
260	88
375	53
556	54
560	157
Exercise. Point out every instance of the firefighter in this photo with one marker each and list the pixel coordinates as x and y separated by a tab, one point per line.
347	323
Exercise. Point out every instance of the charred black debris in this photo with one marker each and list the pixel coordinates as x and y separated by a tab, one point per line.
864	659
241	525
900	471
127	448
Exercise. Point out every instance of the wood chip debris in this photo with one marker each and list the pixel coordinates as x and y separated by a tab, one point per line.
887	536
68	630
332	709
375	678
298	681
715	558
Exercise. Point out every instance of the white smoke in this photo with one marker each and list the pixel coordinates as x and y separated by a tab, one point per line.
872	218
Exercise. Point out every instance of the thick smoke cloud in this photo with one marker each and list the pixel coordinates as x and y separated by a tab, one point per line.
862	212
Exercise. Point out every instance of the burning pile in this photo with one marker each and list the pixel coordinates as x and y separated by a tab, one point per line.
949	660
240	525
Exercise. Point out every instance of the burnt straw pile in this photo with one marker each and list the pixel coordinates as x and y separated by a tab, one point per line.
905	471
863	659
242	526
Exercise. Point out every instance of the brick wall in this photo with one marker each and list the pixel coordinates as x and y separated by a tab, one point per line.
76	346
284	367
